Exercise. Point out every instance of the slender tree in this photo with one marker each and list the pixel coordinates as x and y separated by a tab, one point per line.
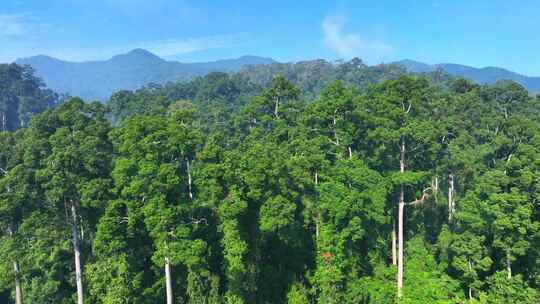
74	172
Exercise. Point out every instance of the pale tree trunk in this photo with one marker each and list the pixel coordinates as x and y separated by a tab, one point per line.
16	274
276	109
435	186
18	290
508	267
168	281
77	252
470	269
450	196
394	245
400	249
401	209
401	221
189	179
318	218
334	125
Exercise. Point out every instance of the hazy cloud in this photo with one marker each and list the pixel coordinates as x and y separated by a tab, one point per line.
12	25
23	25
162	48
183	46
348	45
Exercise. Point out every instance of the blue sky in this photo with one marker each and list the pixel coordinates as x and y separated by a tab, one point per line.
478	33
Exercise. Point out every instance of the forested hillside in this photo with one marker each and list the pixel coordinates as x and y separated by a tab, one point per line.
218	95
98	80
22	95
362	185
312	76
486	75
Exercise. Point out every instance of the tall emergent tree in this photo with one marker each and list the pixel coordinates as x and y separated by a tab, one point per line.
16	202
74	167
153	178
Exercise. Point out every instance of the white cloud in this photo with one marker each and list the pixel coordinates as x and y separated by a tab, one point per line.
348	45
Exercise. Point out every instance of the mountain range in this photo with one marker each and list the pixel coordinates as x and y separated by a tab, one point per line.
486	75
97	80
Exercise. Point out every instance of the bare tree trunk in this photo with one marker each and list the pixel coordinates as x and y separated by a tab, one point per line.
18	290
435	187
77	252
168	281
400	248
334	123
318	218
394	245
16	273
508	267
276	109
450	196
470	289
401	209
189	179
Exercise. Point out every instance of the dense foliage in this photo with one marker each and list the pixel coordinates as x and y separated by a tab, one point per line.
225	191
22	95
217	95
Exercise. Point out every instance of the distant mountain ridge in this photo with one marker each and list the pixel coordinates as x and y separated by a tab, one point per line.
97	80
486	75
